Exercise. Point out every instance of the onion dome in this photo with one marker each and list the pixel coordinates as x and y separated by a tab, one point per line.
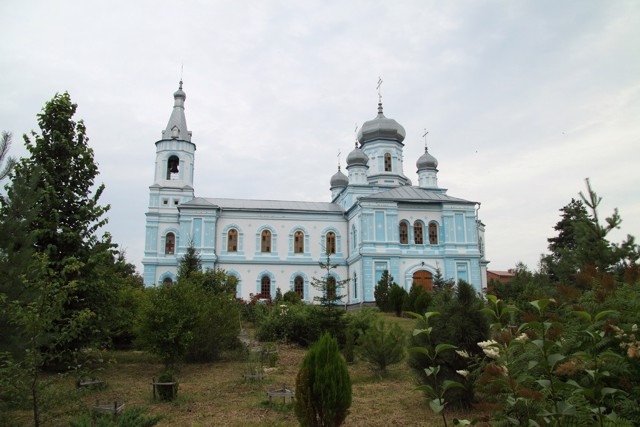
381	128
357	158
426	161
339	179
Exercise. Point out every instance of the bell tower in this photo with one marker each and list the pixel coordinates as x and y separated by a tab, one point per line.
172	186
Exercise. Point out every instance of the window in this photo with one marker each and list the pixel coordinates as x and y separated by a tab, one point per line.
433	233
232	240
355	285
418	233
387	162
265	241
172	167
170	244
298	286
354	237
331	287
167	281
331	242
298	242
265	287
404	233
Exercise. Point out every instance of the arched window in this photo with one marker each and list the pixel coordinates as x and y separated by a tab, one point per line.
170	244
172	167
167	281
418	236
265	241
331	242
331	287
404	233
298	286
387	162
298	242
232	240
265	287
433	233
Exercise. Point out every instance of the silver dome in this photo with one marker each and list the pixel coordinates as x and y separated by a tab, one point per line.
339	179
426	161
381	128
357	158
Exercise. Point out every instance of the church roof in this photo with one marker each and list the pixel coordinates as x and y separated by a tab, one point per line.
408	193
262	205
177	126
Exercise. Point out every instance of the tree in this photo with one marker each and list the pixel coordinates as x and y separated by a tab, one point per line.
323	386
59	177
330	299
382	345
5	144
190	263
382	290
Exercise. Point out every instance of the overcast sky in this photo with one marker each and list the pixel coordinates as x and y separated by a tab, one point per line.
523	100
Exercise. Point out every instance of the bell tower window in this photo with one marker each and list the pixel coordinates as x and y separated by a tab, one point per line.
387	162
172	167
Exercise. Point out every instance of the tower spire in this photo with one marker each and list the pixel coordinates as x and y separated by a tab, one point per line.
177	126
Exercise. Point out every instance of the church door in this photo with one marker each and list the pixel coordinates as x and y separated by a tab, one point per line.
423	278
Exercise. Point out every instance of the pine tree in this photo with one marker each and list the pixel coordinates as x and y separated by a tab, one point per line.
189	263
330	299
382	292
323	386
5	144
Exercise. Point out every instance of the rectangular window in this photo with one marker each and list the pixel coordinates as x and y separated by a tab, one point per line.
462	271
380	226
197	232
459	224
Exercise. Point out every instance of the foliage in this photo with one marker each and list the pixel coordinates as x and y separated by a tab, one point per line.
418	300
435	389
382	290
460	323
38	324
190	263
330	298
291	298
9	162
397	298
170	391
382	345
543	379
194	319
300	324
323	386
130	417
59	179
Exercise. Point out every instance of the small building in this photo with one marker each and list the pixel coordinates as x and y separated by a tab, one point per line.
500	276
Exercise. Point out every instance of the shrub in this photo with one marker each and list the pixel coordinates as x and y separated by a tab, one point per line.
382	346
300	324
460	323
323	386
397	298
167	392
291	298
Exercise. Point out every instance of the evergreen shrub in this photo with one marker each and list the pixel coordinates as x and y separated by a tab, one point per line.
323	386
382	345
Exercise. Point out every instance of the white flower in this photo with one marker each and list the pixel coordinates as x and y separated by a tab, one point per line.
522	337
491	352
463	372
463	353
485	344
634	328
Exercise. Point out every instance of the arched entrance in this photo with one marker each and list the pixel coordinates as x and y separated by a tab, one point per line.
423	278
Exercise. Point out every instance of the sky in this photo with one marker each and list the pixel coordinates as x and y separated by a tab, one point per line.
522	100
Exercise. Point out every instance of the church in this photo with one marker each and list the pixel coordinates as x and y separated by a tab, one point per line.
376	220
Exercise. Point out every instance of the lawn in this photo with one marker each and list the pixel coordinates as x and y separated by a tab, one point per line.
215	394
